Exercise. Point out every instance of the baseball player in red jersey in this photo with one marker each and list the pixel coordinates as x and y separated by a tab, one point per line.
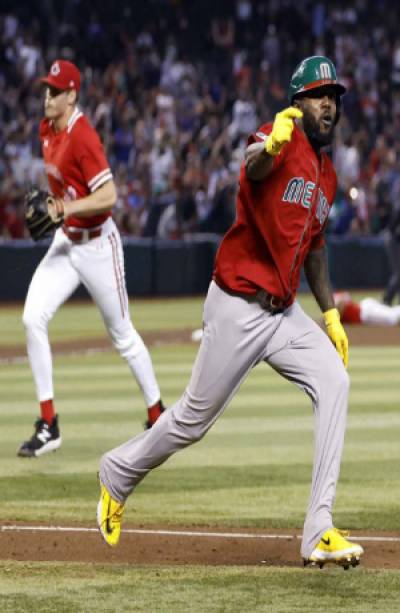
287	186
86	249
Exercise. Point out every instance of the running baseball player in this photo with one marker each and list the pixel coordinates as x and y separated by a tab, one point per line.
86	249
286	188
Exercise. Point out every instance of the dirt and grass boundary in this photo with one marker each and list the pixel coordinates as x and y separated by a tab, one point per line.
177	545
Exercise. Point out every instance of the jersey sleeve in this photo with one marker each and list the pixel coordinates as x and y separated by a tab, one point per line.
261	136
91	158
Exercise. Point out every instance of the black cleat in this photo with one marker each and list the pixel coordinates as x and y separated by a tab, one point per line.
45	438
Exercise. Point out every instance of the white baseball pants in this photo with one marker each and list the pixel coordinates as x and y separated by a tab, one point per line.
374	312
99	265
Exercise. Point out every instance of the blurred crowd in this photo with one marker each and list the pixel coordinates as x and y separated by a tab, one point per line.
175	87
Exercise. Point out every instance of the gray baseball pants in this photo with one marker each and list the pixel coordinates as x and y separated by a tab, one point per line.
238	334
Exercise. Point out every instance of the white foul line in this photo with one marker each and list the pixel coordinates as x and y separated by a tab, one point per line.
239	535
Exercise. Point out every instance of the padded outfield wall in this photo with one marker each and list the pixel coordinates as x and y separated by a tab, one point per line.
183	267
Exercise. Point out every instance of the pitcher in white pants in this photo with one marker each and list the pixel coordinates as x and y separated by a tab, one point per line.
86	249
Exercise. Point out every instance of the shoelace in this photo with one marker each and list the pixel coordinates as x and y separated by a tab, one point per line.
39	426
115	515
118	513
344	533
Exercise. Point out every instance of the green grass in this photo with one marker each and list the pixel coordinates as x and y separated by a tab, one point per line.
86	588
253	469
76	319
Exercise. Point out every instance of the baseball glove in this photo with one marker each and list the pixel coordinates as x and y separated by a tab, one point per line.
39	215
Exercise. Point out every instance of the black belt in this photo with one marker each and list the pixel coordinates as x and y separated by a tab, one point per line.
269	303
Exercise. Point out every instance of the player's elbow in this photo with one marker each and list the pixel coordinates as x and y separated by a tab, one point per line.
247	167
254	172
248	163
250	169
257	164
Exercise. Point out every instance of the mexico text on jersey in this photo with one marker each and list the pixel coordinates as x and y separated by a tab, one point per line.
279	220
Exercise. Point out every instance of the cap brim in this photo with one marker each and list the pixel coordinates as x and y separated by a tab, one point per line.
341	89
322	84
49	81
53	83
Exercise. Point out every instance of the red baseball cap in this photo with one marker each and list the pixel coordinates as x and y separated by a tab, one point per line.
63	75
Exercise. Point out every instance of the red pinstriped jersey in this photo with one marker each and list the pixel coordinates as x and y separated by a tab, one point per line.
278	221
75	163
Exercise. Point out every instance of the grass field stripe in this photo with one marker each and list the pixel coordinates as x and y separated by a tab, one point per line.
69	353
242	535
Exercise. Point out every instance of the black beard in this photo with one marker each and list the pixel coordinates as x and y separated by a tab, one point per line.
313	132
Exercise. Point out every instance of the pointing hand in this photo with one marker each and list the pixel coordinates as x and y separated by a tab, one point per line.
282	130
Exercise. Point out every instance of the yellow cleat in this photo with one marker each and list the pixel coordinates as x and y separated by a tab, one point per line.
109	517
335	548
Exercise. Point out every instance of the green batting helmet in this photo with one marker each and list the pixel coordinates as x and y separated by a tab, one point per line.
313	72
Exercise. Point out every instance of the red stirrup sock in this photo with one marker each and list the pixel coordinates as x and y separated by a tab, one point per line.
154	412
47	410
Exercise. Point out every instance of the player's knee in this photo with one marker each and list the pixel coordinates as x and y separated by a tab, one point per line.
128	345
33	320
331	385
191	418
339	381
344	381
189	432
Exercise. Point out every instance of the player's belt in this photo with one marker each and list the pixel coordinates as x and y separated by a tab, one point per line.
81	235
267	301
270	303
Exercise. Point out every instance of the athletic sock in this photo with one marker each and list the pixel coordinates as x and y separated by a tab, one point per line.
154	412
47	410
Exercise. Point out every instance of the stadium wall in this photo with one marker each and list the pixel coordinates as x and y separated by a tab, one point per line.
183	267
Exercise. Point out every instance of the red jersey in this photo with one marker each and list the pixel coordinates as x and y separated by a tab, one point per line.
278	220
75	163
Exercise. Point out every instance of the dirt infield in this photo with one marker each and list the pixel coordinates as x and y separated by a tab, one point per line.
358	336
175	546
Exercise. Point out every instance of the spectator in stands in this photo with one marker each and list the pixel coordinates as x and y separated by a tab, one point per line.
145	77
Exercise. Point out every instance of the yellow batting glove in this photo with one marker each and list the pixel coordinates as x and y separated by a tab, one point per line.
282	130
337	334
